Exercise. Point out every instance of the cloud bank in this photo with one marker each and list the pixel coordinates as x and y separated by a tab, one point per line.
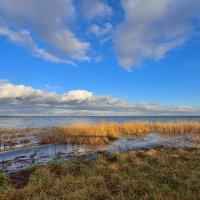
25	100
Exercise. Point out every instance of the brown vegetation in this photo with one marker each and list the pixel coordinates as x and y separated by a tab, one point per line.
104	132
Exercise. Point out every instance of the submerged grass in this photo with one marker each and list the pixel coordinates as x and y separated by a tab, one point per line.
104	132
11	137
160	173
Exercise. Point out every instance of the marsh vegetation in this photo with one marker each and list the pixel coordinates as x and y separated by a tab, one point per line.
37	146
104	132
92	133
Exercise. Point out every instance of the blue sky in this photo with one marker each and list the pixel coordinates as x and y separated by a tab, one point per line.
125	57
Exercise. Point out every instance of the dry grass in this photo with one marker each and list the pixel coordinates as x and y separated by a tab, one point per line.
104	132
194	139
83	133
177	128
4	131
135	128
9	138
14	133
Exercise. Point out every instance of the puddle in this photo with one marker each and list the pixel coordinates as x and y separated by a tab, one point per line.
18	159
150	141
23	158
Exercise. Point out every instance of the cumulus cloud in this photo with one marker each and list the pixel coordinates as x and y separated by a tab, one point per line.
22	100
22	92
95	8
51	23
152	28
76	95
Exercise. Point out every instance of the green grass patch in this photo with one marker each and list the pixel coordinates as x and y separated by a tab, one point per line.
161	173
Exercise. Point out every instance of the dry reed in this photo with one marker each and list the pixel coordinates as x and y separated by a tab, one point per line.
104	132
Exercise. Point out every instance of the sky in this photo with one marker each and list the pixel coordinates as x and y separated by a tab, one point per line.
99	57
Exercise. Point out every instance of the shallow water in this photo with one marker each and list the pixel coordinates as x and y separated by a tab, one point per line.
23	122
38	155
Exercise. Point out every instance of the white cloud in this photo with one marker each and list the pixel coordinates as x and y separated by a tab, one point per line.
21	99
77	95
23	38
49	22
152	28
95	8
11	91
99	31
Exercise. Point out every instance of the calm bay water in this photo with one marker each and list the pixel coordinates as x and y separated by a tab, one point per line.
23	122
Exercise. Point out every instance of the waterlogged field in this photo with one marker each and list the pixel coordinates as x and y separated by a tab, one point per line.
97	161
98	133
159	173
28	147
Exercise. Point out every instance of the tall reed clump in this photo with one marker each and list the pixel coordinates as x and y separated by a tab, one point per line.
177	128
104	132
135	128
83	133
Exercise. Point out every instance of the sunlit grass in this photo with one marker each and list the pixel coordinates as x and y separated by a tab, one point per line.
83	133
160	173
